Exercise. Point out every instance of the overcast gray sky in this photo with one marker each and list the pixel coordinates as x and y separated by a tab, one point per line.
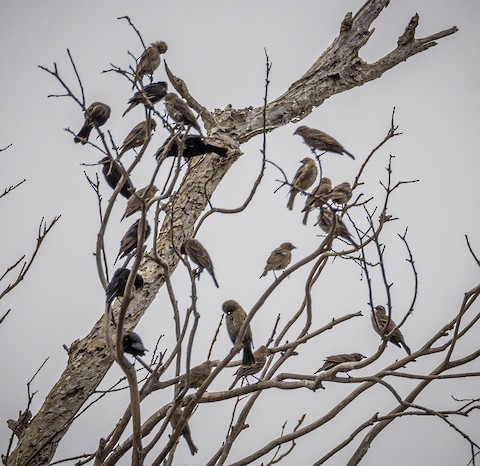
218	49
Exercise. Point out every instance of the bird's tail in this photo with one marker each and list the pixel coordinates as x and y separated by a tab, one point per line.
350	155
305	217
291	200
248	358
221	151
214	279
406	348
128	109
83	134
188	437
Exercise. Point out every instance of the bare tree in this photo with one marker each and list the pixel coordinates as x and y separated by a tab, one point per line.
181	207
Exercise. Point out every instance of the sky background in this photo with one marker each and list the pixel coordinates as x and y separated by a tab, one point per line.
218	49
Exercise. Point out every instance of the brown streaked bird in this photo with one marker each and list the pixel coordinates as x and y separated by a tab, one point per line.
199	255
198	375
260	356
379	322
341	193
113	175
326	219
149	61
129	240
316	139
138	136
279	258
96	115
186	433
180	112
134	203
303	179
318	197
336	359
235	318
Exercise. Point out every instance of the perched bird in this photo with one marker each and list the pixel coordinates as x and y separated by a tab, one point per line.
112	176
187	434
198	254
129	240
134	203
198	375
193	145
379	322
117	284
326	220
133	344
235	318
96	115
316	139
304	178
279	258
148	96
260	356
138	136
336	359
180	112
341	193
319	196
149	61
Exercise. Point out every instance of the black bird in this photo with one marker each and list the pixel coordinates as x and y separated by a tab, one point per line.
149	95
117	284
194	145
96	115
133	344
112	176
129	240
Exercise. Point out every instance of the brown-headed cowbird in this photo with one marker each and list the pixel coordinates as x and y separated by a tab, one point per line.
318	197
379	322
194	145
96	115
134	203
129	240
279	258
336	359
116	287
138	136
112	176
149	61
326	219
304	178
187	434
316	139
198	375
148	96
180	112
235	318
199	255
341	193
133	344
260	356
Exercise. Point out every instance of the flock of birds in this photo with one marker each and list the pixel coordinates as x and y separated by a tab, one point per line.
326	198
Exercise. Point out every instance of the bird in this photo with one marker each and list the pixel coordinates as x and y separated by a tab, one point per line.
326	220
148	96
279	258
175	415
130	239
96	115
197	376
180	112
149	61
193	145
316	139
112	176
133	344
260	356
318	197
235	318
336	359
135	202
199	255
138	136
379	322
341	193
116	287
303	179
